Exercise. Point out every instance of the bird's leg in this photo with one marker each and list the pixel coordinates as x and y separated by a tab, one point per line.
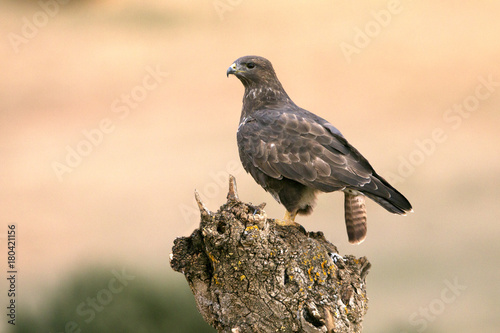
289	221
290	217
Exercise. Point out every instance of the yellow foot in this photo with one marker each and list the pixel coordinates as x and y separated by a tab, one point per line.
288	221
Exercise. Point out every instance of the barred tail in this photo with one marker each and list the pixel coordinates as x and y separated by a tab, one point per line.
355	217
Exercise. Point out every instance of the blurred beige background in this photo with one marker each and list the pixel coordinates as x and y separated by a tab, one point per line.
113	112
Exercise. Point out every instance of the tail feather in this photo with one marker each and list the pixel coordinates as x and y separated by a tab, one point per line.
387	196
387	204
355	217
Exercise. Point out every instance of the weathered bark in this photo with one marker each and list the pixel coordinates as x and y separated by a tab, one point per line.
249	274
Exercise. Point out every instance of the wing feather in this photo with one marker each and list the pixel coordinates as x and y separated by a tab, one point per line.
301	148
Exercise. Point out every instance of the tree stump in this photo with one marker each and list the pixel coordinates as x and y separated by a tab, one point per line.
249	274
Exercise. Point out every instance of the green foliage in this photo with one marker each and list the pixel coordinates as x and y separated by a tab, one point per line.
84	304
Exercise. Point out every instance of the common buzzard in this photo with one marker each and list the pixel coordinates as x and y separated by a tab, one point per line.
294	154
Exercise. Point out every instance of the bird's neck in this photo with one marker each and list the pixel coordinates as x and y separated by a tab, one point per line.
259	97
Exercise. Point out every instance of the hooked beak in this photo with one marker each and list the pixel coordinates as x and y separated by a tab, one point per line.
231	70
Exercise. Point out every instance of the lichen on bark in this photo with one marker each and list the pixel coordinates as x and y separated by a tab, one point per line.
249	274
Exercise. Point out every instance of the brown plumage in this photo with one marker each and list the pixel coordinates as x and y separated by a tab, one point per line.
355	216
294	154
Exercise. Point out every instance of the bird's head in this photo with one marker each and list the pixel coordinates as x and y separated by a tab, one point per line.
253	70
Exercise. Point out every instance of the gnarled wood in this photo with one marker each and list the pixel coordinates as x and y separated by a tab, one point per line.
249	274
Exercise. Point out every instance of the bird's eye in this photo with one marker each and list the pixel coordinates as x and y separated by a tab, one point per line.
250	65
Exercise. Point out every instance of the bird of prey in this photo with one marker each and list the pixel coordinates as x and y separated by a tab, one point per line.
294	154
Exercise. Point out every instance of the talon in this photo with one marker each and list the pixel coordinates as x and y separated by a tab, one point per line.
289	221
290	216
